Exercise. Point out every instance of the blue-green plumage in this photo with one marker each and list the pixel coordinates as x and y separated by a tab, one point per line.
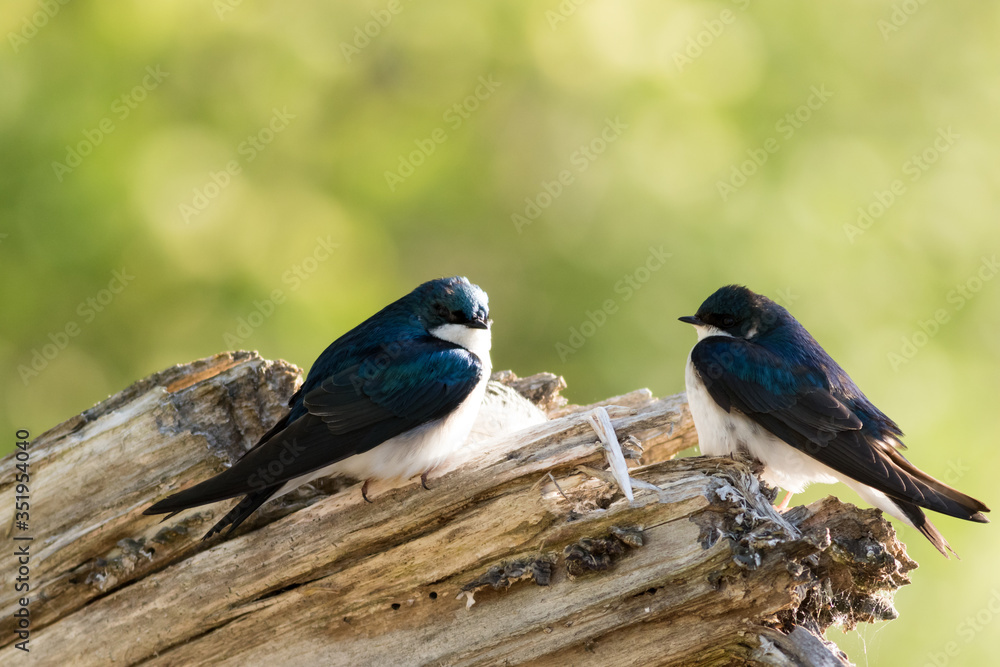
390	398
760	384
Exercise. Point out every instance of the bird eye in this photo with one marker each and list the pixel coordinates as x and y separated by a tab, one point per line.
457	316
441	310
728	321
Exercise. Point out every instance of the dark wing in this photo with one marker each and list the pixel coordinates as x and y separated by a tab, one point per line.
383	398
797	406
349	413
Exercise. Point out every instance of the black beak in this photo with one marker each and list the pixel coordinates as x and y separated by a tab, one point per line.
691	319
479	323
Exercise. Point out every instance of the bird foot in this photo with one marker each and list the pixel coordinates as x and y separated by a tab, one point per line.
783	505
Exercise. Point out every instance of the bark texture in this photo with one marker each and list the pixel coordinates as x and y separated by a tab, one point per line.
524	551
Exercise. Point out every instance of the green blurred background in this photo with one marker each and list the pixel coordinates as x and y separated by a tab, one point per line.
212	154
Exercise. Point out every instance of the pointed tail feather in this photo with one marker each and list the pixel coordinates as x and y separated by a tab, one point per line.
905	511
204	493
242	511
936	495
916	517
223	486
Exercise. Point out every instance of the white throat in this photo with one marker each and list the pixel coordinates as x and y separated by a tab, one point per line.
706	330
476	341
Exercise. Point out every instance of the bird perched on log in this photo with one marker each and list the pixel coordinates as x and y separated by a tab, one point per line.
759	384
390	399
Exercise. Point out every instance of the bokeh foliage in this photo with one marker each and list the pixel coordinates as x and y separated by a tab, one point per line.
696	89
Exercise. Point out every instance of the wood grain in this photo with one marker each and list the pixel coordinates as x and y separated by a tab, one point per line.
521	553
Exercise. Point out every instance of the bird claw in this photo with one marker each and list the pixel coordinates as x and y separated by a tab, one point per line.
423	480
364	491
783	505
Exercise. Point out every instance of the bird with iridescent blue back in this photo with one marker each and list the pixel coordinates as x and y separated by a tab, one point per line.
759	384
390	399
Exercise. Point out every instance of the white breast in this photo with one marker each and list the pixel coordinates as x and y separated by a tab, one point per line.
722	433
420	449
428	445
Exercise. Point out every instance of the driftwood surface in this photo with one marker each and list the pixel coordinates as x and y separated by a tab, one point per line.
524	551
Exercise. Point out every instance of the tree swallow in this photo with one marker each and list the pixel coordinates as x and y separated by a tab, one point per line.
760	385
389	399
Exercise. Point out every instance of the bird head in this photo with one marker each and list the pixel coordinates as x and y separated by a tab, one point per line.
455	310
736	311
452	301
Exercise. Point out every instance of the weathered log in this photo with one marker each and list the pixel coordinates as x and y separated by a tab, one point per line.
523	552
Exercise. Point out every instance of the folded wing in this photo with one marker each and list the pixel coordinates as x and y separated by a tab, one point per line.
819	420
350	412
